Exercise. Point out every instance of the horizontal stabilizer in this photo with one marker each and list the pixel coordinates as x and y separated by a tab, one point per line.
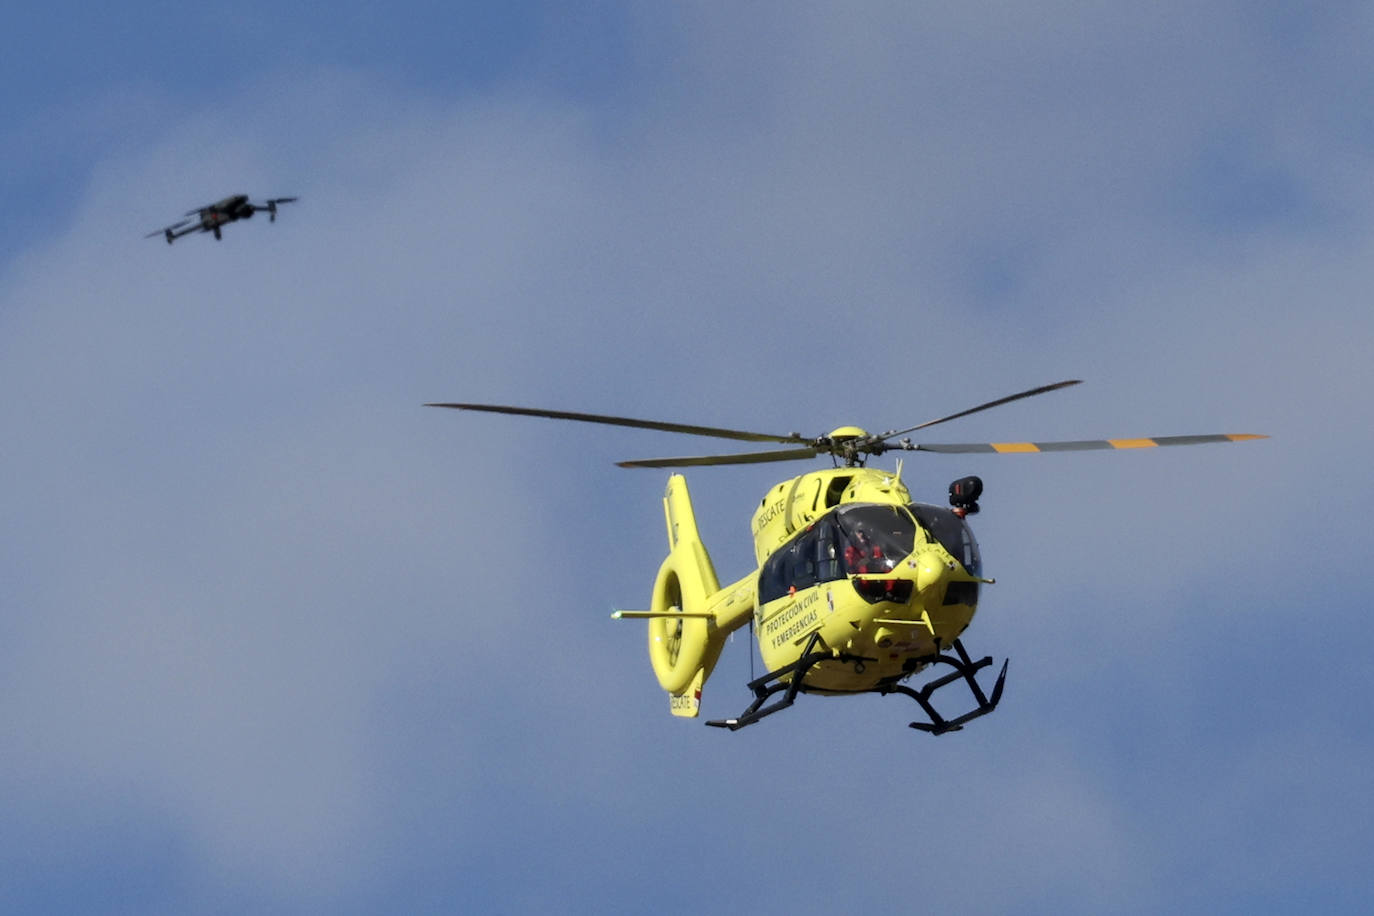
649	615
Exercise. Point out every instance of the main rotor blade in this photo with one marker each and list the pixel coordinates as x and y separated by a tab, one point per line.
1085	445
790	454
997	403
626	421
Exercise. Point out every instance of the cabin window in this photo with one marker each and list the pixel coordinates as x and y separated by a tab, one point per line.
812	557
836	489
795	565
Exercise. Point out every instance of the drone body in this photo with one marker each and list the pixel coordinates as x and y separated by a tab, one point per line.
858	587
213	217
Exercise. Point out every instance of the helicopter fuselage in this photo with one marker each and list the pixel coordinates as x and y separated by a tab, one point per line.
848	560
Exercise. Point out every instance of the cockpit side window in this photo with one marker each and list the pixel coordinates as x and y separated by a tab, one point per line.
954	535
829	551
801	561
952	532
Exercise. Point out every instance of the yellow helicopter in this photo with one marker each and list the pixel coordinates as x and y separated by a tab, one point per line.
858	587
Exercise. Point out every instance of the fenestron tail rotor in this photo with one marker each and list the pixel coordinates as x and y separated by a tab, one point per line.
848	444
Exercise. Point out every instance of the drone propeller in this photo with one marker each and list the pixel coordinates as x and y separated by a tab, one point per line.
271	206
848	444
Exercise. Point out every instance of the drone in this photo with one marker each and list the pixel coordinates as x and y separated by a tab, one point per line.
858	589
212	217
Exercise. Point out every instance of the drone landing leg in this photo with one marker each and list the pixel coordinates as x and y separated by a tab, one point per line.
965	669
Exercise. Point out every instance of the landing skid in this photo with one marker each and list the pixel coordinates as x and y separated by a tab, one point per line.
965	669
763	689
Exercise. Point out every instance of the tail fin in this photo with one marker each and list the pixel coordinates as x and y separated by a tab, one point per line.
684	649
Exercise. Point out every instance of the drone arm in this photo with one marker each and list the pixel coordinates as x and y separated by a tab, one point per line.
177	229
268	206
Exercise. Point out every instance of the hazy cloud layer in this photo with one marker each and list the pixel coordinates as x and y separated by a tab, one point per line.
278	638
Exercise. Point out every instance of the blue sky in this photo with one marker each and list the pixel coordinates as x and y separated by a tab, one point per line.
275	638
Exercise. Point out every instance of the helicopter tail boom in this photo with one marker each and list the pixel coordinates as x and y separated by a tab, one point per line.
690	615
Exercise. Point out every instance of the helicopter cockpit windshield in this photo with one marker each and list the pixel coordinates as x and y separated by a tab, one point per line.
854	539
873	538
